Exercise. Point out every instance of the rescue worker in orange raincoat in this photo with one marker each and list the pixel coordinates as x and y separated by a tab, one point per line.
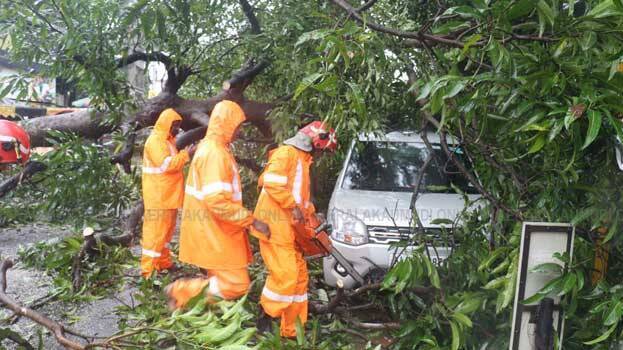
283	201
163	191
214	221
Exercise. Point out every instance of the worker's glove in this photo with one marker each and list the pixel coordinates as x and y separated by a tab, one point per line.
262	227
297	215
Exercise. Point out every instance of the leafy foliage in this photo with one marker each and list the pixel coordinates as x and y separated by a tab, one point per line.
530	88
80	186
100	275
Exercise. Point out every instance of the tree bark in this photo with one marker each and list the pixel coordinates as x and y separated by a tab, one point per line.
85	123
89	124
30	169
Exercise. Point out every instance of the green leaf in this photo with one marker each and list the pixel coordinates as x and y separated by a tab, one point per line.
582	215
533	299
611	231
570	282
469	305
602	337
306	83
456	336
520	8
463	11
614	315
552	287
549	268
425	90
594	124
605	9
470	42
555	130
442	221
509	292
496	283
300	332
357	99
328	84
492	257
588	40
547	12
313	35
580	279
560	49
538	144
462	319
458	87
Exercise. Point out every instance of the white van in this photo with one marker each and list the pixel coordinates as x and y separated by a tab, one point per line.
370	205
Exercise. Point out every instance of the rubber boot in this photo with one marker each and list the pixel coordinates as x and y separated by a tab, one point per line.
264	323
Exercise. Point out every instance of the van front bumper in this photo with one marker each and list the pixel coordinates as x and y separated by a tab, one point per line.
367	257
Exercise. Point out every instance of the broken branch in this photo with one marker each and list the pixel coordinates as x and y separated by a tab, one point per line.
30	169
57	329
248	12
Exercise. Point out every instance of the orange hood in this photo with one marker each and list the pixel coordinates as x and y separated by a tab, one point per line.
226	117
164	122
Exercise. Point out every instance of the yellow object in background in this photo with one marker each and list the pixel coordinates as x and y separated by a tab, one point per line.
602	251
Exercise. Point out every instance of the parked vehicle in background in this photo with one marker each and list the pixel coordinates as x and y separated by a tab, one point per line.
370	205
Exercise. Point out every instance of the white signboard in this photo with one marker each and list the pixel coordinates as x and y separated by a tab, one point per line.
539	242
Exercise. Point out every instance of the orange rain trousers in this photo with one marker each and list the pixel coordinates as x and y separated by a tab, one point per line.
224	284
285	291
158	228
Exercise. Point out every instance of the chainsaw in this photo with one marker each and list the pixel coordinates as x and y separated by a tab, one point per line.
314	241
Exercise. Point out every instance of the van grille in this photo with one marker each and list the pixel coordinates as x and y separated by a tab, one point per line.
389	234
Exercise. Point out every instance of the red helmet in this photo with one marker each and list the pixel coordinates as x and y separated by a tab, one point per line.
14	143
322	136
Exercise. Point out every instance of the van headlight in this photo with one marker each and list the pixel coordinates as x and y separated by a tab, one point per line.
348	228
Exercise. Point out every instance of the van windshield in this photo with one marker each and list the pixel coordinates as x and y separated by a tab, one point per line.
394	166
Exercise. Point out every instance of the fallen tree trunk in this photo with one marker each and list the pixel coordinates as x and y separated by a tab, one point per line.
87	124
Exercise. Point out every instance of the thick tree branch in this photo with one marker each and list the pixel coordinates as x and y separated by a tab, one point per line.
248	12
125	156
242	78
190	137
366	6
30	169
143	56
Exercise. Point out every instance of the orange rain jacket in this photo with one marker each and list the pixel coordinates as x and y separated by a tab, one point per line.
285	184
163	179
213	219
